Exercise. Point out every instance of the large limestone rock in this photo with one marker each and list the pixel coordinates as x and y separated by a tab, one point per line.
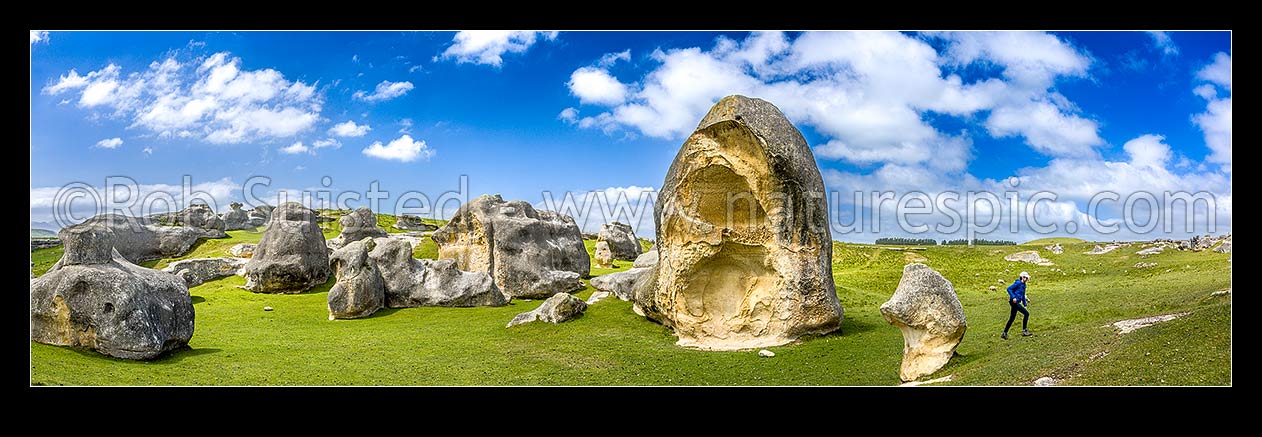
1225	247
242	250
198	216
1029	256
622	241
561	307
622	284
197	271
358	225
925	308
753	272
260	215
603	255
646	259
412	223
95	298
236	218
411	282
291	257
359	290
529	253
1055	248
141	239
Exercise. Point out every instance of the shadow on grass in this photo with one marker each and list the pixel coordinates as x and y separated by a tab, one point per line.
197	299
174	356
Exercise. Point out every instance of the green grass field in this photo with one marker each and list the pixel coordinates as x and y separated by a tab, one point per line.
237	343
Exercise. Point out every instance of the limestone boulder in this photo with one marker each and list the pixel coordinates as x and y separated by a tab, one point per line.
529	253
197	271
622	240
743	242
411	282
141	239
242	250
622	284
561	307
1225	247
358	225
928	312
1029	256
95	298
413	223
236	218
646	259
1055	248
198	216
260	215
360	290
603	255
291	257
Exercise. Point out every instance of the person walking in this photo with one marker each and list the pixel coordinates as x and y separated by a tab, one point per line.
1018	303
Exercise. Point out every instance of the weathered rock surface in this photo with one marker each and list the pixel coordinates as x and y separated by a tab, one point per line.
197	271
1224	248
928	312
622	284
1100	250
603	255
95	298
561	307
1128	326
413	223
1151	251
195	216
622	241
1029	256
646	259
529	253
260	215
291	257
242	250
358	225
744	247
44	243
411	282
236	218
141	239
1056	248
360	290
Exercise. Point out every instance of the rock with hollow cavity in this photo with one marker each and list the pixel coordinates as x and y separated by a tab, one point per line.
95	298
359	290
621	284
411	282
291	257
744	248
529	253
358	225
197	271
1029	256
925	308
141	239
561	307
622	241
603	255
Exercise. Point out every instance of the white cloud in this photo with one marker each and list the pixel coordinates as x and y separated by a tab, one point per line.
214	98
295	148
1218	72
570	115
609	59
147	151
1215	122
402	149
1046	128
385	90
488	46
218	194
1148	151
1163	43
348	128
110	143
596	86
328	142
405	126
39	36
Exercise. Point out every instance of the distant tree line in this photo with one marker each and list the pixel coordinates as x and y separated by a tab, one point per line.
907	241
978	242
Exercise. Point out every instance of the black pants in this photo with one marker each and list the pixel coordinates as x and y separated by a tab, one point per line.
1025	315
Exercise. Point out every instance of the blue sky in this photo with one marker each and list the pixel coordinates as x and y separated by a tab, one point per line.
519	113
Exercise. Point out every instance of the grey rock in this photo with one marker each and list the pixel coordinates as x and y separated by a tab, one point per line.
1029	256
141	239
194	216
622	241
622	284
928	312
260	215
561	307
597	296
242	250
529	253
587	236
1055	248
291	257
236	218
44	243
197	271
411	282
1046	381
1224	248
413	223
95	298
358	225
1151	251
360	290
646	259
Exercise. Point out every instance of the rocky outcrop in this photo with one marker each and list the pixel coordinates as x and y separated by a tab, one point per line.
236	218
242	250
925	308
745	253
198	216
1029	256
260	215
603	255
413	223
1100	250
411	282
358	225
646	259
1056	248
360	290
197	271
622	241
141	239
291	257
95	298
622	284
1225	247
529	253
561	307
1151	250
44	243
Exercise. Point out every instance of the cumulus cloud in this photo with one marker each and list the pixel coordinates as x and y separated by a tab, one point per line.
402	149
348	128
609	59
295	148
147	151
1148	151
327	142
212	98
109	143
1215	122
596	86
39	36
385	90
1162	42
487	47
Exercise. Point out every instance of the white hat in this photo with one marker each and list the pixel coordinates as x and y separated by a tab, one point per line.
1024	275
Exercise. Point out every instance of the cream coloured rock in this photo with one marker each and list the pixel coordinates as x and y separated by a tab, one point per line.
603	256
743	244
925	308
1029	256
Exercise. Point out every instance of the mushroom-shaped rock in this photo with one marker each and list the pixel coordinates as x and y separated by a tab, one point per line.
743	242
358	225
529	253
622	241
411	282
359	290
95	298
925	308
561	307
291	257
603	255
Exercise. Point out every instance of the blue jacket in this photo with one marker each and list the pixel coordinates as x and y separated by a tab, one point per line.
1017	291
